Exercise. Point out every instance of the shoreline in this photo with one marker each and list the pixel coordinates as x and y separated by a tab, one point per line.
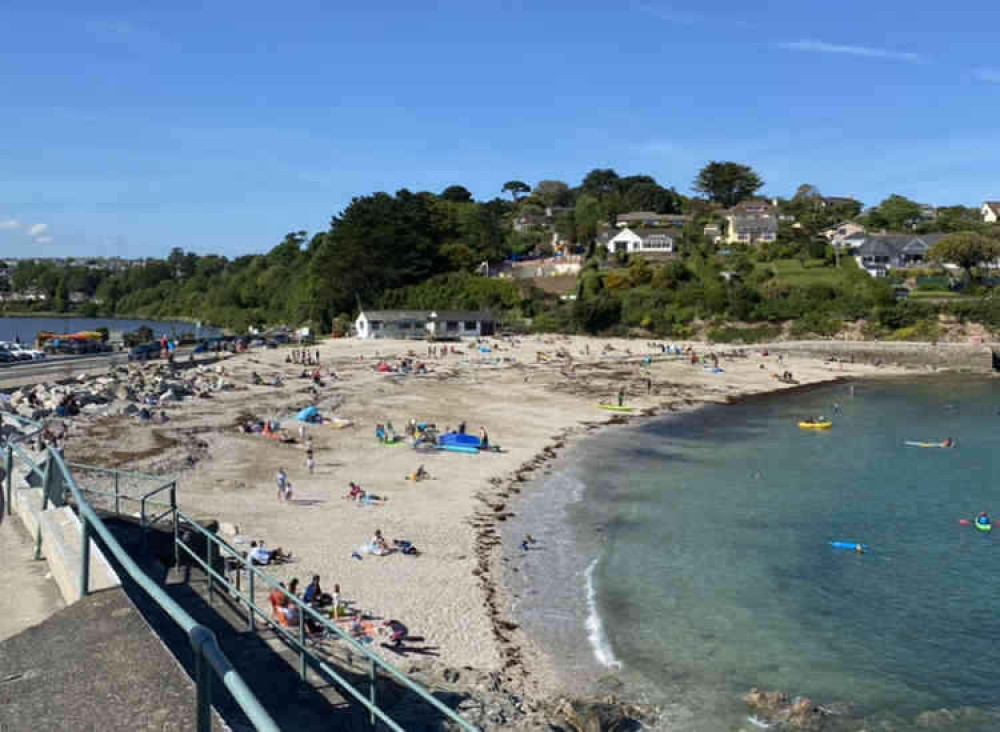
535	407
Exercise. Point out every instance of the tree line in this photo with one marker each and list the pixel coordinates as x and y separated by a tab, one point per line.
428	250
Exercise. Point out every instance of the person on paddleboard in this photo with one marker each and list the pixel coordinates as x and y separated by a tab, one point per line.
947	442
983	519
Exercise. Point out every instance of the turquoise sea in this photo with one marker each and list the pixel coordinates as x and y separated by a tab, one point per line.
688	557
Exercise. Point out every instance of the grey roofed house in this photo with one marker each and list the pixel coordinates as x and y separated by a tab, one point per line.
651	218
424	323
879	253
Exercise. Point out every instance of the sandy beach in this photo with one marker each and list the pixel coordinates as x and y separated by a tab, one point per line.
530	399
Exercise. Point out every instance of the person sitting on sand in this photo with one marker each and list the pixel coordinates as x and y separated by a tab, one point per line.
355	491
420	474
379	544
261	556
484	439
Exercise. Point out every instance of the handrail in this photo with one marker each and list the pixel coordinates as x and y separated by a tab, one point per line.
203	640
304	609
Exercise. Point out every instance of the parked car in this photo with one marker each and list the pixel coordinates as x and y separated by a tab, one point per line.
6	356
26	354
144	352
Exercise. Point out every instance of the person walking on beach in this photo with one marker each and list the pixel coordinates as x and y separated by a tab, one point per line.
310	461
621	396
283	484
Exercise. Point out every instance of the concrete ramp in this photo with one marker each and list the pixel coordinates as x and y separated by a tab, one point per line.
62	545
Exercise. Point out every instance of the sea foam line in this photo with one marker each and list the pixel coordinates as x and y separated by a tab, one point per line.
599	642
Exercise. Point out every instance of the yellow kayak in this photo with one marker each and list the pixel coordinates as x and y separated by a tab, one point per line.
815	425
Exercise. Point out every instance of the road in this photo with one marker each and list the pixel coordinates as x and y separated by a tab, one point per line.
56	368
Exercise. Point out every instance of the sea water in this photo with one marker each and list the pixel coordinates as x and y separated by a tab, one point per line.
689	557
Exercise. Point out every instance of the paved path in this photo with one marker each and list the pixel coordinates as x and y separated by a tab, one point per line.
27	597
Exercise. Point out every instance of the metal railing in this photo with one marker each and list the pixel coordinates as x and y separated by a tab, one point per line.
208	655
298	640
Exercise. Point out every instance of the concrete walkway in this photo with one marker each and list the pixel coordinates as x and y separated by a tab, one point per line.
29	595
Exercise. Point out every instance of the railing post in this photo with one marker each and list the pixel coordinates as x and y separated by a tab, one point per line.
251	621
8	464
211	565
118	509
203	679
177	549
45	503
85	559
302	642
372	677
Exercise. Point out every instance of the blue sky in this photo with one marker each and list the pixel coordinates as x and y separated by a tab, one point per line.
218	127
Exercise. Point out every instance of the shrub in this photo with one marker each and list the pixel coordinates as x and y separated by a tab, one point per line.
756	334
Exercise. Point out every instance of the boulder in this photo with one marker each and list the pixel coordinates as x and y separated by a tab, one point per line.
169	396
587	716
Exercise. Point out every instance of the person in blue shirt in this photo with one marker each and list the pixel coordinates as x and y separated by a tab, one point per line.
983	519
313	591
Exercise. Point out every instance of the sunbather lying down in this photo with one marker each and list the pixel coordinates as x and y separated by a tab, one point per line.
259	555
391	631
361	496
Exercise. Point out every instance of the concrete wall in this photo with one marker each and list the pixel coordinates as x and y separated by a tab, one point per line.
976	358
62	535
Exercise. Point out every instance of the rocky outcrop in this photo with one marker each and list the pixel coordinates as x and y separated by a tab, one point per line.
123	390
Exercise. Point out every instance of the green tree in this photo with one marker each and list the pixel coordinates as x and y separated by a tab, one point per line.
967	249
600	182
895	213
515	188
587	214
553	193
727	183
456	194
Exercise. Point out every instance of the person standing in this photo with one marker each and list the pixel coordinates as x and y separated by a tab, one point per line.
282	483
310	460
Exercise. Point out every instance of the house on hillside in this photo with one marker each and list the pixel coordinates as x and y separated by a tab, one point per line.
839	234
713	232
751	222
645	241
650	218
433	324
879	253
991	212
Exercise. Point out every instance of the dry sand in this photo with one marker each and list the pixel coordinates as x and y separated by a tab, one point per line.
448	595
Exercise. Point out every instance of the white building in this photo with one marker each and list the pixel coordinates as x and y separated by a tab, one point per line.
434	324
991	212
648	241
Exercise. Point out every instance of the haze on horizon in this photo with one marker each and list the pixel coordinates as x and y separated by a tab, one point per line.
127	131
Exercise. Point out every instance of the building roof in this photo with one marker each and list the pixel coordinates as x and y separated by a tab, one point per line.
669	231
755	207
399	315
651	215
895	244
754	222
994	206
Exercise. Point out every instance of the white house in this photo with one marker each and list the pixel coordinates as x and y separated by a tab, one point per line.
648	241
435	324
838	235
991	212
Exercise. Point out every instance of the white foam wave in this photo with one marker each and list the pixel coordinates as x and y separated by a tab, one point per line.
599	642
